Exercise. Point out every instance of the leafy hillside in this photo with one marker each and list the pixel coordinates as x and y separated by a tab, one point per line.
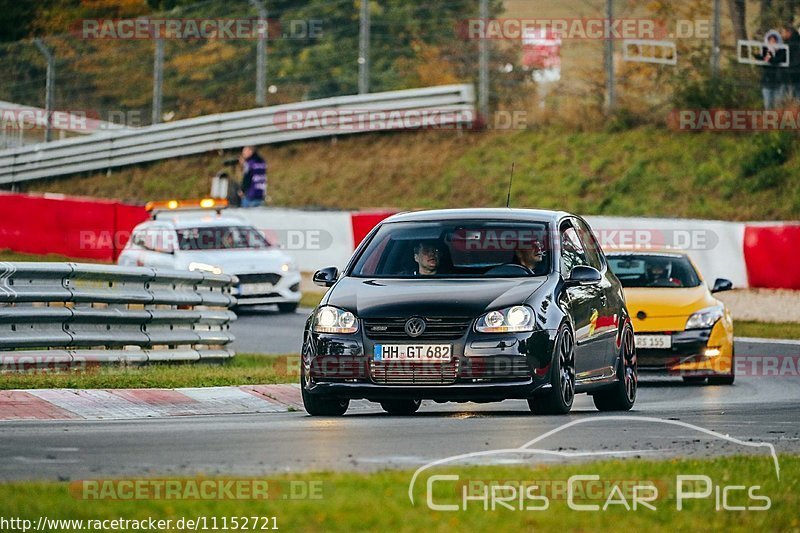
643	171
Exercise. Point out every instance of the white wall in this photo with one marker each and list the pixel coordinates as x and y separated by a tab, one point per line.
315	239
716	247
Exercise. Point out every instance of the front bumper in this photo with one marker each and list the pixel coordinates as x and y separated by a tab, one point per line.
483	368
261	292
688	355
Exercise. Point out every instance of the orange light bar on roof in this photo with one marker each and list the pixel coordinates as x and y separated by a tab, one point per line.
181	205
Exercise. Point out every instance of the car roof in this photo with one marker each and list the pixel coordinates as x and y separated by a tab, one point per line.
199	220
491	213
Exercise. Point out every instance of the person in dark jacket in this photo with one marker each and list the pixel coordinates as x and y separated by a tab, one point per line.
254	178
791	87
772	74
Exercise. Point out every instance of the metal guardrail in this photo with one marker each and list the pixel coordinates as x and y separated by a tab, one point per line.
453	104
68	314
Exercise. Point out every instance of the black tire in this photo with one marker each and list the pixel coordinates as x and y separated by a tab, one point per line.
401	407
622	394
287	307
557	400
694	380
722	380
321	404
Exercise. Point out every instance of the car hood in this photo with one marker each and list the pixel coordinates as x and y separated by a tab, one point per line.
668	301
389	298
237	261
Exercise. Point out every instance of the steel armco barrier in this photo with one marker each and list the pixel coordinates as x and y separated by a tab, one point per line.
68	314
455	104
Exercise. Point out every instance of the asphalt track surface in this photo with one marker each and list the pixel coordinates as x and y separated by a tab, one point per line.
758	408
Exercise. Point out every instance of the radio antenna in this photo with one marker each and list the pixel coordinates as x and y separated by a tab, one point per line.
510	181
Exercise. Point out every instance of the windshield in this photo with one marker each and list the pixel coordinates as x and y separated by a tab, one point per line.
644	270
456	249
221	238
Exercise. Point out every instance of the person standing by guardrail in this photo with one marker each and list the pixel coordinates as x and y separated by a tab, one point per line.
254	178
772	79
791	88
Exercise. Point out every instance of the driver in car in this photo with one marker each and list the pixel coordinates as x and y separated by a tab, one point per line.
427	255
659	277
530	255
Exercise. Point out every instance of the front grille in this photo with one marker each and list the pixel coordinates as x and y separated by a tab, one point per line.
436	328
259	278
411	373
257	296
327	368
496	368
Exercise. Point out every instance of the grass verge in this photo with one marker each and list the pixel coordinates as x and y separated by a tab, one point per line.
244	369
311	299
767	330
9	255
379	501
643	171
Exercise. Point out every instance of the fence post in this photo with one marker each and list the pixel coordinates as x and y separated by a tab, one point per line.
158	79
363	48
611	95
261	52
49	87
483	65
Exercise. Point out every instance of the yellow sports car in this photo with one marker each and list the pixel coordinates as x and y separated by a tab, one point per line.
681	329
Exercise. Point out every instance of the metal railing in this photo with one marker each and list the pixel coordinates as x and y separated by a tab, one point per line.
448	105
68	314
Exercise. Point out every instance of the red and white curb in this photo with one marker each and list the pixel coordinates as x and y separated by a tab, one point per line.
127	404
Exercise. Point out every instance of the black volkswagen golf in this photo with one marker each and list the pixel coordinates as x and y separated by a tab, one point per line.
474	305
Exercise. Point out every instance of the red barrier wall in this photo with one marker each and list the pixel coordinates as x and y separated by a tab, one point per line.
363	222
771	253
75	227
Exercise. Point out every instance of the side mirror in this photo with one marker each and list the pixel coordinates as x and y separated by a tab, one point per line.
722	284
326	277
584	275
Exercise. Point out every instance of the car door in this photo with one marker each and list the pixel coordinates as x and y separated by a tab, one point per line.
609	310
584	305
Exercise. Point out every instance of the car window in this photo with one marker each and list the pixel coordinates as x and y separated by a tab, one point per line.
221	238
651	270
462	248
593	252
155	238
138	238
572	252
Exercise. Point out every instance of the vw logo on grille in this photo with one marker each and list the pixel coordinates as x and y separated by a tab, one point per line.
415	326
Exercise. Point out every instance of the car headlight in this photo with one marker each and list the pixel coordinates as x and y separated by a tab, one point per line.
288	266
329	319
511	319
705	318
205	267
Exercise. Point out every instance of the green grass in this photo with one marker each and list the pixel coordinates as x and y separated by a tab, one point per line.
379	501
645	171
244	369
767	330
9	255
311	299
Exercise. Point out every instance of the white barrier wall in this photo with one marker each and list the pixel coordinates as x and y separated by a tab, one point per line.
716	247
316	239
325	238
